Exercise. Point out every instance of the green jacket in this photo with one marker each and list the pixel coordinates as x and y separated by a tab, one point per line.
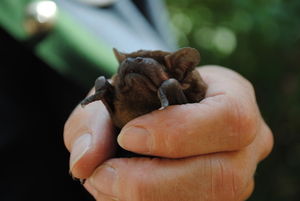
80	43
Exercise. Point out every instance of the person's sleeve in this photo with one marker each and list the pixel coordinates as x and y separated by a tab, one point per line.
67	47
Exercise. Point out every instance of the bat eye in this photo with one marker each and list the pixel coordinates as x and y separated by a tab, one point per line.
138	59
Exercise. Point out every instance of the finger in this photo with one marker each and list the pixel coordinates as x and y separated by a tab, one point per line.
248	191
265	141
261	146
224	121
210	177
98	195
88	136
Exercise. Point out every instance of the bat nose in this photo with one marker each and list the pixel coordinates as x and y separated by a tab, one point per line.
134	60
138	59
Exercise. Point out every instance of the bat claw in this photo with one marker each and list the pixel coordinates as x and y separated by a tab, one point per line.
91	99
162	108
82	181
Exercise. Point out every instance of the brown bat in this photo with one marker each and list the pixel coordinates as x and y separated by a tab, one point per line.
147	81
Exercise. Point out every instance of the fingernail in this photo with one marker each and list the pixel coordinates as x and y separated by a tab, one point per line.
79	148
105	180
135	139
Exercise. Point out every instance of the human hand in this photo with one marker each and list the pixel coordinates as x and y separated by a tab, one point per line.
215	146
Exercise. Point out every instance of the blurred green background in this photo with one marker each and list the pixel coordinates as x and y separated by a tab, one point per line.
260	40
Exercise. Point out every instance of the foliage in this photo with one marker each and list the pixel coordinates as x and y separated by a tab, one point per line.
261	40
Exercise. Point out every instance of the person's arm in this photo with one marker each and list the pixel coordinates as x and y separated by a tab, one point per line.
213	147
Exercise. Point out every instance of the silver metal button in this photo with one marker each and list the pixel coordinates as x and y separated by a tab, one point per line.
40	16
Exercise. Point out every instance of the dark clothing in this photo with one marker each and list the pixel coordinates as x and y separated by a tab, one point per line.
35	101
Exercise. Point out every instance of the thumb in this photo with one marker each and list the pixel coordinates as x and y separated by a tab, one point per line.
89	138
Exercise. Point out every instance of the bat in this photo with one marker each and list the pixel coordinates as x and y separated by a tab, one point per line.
148	81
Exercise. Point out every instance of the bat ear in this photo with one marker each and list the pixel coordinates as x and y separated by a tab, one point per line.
184	59
119	56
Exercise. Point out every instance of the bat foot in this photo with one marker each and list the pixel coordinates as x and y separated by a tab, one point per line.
170	93
103	92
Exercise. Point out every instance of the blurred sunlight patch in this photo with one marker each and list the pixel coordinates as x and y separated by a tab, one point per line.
220	39
224	40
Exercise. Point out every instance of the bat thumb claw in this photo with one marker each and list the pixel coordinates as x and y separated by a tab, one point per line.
82	105
90	99
162	108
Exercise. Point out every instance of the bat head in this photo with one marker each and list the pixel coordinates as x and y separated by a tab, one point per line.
146	70
141	73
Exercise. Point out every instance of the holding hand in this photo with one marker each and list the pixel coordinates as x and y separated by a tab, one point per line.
213	147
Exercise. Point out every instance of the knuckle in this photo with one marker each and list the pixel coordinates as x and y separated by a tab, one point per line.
242	120
248	85
248	192
66	131
74	127
227	182
236	183
70	121
267	141
67	125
